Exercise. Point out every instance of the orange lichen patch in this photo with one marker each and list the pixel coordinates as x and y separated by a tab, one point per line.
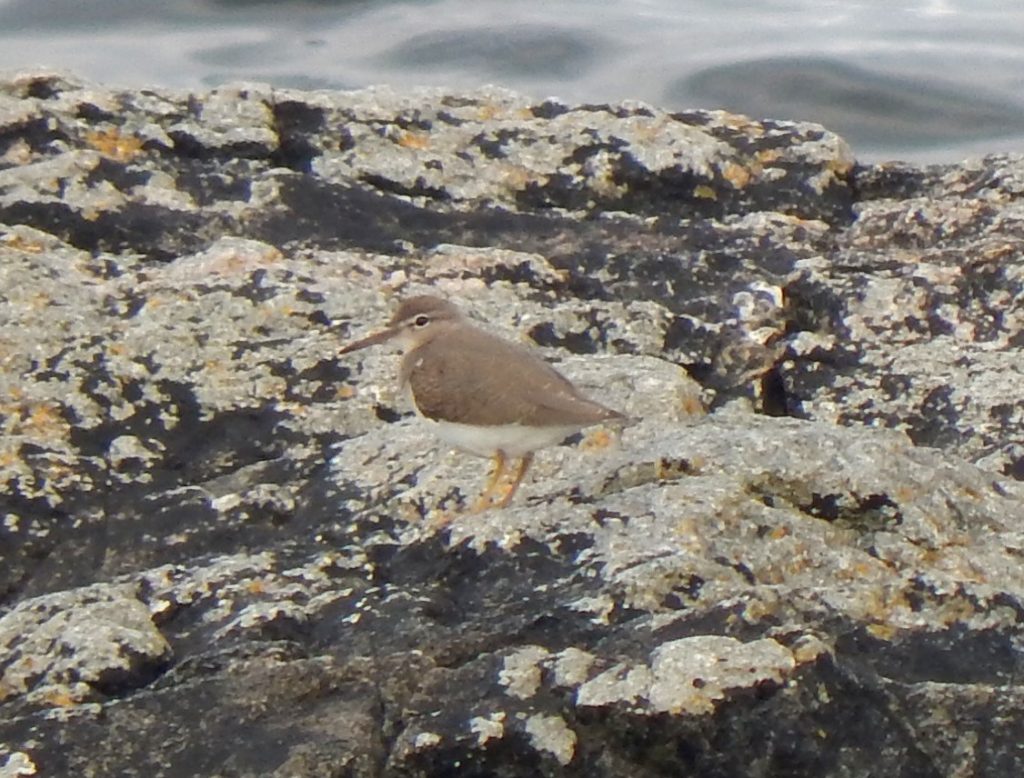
604	183
863	568
689	534
768	156
18	242
60	698
111	143
486	112
970	491
881	607
647	129
234	262
690	404
414	140
734	120
957	610
882	631
18	153
345	392
905	494
756	611
519	178
808	649
43	418
960	537
799	562
14	393
40	300
997	252
152	302
410	511
255	587
670	469
739	121
7	691
294	409
24	667
596	440
778	533
57	471
705	192
840	166
737	175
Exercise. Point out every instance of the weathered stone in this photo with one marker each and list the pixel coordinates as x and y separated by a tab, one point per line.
217	537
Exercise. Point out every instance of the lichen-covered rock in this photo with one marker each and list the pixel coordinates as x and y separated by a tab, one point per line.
99	638
220	541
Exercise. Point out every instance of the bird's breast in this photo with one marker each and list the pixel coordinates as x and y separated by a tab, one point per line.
513	440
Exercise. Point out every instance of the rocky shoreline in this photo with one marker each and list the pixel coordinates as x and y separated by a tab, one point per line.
218	556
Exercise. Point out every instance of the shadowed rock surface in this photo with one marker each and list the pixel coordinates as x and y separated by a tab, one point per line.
217	542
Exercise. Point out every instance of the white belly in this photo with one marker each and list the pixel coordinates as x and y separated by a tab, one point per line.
514	440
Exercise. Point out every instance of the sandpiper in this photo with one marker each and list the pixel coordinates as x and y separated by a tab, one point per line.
483	394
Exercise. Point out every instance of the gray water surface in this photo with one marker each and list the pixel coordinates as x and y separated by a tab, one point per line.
931	80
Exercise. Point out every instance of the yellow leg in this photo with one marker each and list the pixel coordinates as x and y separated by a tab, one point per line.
524	465
485	499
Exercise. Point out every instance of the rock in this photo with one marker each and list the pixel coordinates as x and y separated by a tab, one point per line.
220	554
99	639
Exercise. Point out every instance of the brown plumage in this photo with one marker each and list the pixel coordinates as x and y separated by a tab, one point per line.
485	395
466	375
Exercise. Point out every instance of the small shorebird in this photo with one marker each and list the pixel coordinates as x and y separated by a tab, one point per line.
483	394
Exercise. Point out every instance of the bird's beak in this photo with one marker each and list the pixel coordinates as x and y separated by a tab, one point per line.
370	340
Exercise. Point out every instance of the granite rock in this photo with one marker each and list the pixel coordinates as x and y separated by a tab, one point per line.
220	540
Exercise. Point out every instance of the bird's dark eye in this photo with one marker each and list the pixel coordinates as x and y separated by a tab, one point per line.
421	320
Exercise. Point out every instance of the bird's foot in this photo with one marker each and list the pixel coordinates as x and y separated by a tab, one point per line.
486	499
520	474
497	494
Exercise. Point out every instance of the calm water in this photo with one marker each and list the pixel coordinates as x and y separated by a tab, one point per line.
931	80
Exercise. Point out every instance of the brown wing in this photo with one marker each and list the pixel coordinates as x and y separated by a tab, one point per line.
473	377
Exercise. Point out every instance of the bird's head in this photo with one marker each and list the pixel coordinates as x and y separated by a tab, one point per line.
417	320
